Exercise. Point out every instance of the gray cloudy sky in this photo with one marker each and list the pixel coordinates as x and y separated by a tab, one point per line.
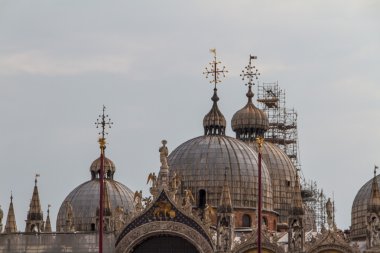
61	60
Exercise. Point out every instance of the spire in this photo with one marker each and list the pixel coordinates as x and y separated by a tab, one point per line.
374	202
297	205
10	226
47	223
214	122
34	222
249	122
225	199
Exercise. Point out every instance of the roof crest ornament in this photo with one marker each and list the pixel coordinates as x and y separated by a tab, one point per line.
103	122
250	74
215	71
214	122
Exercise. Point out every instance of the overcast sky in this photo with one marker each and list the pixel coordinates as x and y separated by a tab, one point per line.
60	61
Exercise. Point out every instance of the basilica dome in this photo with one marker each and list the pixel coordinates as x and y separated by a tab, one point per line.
80	207
360	210
205	161
283	175
202	163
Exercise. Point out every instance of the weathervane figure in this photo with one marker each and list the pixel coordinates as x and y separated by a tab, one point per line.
250	72
215	71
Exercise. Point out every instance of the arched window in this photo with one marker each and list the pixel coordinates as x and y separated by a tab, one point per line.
265	221
246	221
92	226
202	198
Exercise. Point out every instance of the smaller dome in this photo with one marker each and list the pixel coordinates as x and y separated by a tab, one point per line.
249	122
109	168
214	122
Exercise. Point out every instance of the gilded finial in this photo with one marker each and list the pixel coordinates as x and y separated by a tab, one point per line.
214	70
103	122
260	142
250	73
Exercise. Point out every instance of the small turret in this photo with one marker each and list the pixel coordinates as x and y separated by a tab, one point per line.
10	226
296	233
35	219
225	220
47	228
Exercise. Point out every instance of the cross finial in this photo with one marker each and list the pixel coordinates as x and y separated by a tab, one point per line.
374	170
103	122
35	179
214	70
250	72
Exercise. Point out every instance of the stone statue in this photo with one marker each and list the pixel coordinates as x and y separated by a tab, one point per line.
188	201
147	201
153	179
329	213
176	181
69	216
119	218
138	201
208	213
373	231
296	240
164	152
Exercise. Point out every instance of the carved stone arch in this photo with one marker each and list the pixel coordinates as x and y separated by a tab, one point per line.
332	242
252	247
156	228
331	248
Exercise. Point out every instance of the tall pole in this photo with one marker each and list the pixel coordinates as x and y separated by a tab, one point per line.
102	122
260	141
102	143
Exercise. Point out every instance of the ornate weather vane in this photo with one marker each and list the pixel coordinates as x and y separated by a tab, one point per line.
214	70
250	72
103	122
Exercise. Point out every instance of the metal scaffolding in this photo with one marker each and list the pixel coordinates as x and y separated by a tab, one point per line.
283	133
282	121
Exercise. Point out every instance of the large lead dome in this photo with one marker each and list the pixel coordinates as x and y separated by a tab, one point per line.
202	164
80	207
360	210
204	161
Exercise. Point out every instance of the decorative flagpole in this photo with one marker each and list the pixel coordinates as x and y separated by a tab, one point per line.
103	122
260	142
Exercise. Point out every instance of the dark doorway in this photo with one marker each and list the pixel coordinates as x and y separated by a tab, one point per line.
165	244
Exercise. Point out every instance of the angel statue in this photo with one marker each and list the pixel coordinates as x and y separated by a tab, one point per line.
164	152
188	201
137	198
153	179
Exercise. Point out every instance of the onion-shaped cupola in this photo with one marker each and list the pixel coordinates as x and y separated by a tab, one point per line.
249	122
